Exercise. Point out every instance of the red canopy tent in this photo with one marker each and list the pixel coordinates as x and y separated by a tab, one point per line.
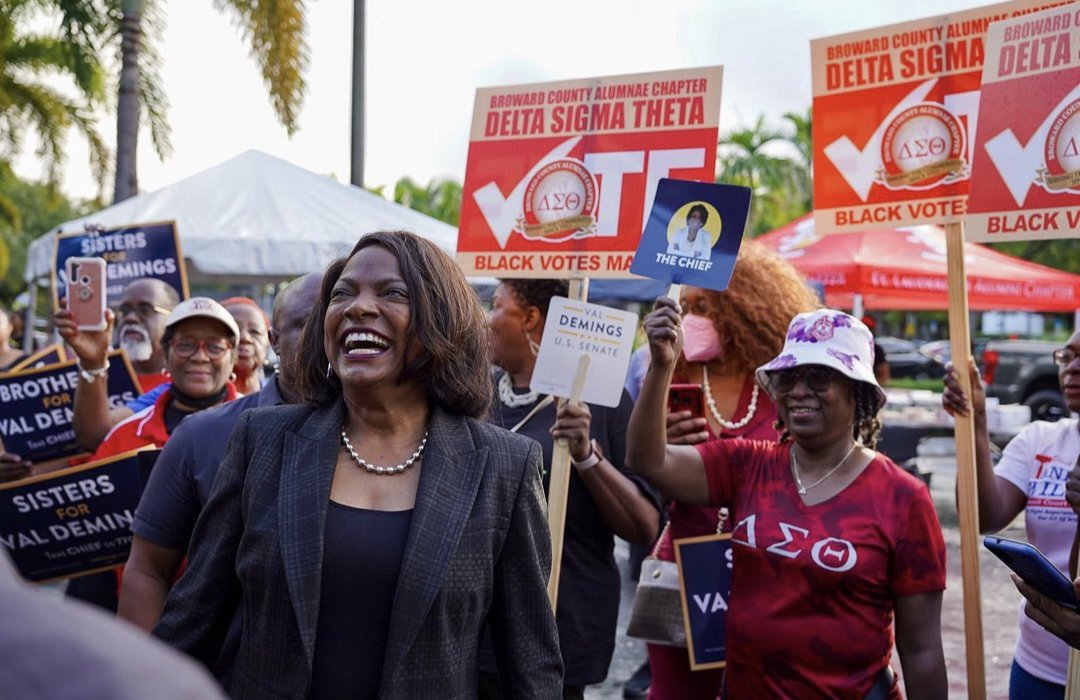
905	269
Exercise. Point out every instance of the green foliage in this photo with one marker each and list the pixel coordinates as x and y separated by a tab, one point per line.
28	61
754	157
440	199
1062	254
27	210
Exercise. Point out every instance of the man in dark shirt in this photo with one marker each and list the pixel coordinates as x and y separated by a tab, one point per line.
180	482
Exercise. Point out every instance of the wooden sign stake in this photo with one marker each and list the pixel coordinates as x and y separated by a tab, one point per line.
966	483
559	481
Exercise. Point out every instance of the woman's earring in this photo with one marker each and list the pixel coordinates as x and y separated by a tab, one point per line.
232	376
534	347
329	370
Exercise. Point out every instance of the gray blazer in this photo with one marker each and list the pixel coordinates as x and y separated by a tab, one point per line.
478	551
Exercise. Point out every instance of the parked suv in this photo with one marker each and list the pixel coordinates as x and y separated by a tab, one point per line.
1023	371
905	360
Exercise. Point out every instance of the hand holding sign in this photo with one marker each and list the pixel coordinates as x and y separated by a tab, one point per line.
572	422
663	328
13	467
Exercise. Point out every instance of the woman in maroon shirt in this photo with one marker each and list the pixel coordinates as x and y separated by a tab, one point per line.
721	352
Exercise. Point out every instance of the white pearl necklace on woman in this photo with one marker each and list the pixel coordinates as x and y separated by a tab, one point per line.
511	399
383	471
750	410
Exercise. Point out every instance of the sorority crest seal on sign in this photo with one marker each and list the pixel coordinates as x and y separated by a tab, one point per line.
560	203
1061	170
922	147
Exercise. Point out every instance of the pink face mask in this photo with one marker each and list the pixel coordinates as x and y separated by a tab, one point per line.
701	342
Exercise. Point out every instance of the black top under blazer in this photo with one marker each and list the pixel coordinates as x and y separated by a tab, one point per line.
478	551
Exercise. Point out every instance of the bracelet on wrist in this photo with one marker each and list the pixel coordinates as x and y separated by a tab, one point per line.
92	375
589	462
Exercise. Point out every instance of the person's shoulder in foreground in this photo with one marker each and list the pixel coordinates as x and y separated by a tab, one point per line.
59	649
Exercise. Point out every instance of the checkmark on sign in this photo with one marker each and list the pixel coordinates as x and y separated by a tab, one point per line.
859	167
1017	164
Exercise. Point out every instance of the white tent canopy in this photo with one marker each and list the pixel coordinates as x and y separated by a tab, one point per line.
255	219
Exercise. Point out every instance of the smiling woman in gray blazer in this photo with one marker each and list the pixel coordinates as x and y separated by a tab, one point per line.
368	535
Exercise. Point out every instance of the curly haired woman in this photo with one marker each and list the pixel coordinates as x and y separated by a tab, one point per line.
728	335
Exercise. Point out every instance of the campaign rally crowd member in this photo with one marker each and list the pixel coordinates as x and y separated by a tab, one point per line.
823	564
252	345
1030	477
369	534
140	324
603	500
180	482
199	341
727	335
9	354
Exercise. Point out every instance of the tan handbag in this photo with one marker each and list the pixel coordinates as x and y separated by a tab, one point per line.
657	616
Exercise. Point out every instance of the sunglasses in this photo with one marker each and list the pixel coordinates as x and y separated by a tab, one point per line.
1065	356
817	378
185	348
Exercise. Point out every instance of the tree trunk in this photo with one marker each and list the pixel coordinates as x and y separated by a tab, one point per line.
127	103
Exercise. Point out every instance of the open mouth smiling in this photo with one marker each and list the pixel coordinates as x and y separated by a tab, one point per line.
360	344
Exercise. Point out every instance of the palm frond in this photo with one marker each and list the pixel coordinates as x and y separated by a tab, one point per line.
275	29
152	97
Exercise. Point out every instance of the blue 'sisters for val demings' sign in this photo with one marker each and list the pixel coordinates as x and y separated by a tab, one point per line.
693	233
36	407
130	253
73	521
705	567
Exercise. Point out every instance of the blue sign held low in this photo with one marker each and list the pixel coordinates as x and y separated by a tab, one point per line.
705	567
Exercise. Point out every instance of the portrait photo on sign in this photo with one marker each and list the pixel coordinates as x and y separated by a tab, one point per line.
694	230
693	233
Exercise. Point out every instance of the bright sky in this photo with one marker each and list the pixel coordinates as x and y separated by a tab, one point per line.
425	60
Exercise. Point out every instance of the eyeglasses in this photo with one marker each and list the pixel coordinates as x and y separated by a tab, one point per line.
817	378
1064	356
142	310
185	348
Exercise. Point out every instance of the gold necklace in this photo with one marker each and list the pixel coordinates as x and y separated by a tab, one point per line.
795	469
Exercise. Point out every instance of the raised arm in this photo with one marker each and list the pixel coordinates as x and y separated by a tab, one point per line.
999	499
676	470
92	421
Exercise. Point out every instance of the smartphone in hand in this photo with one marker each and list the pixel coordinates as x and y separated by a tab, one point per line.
1035	569
86	292
687	397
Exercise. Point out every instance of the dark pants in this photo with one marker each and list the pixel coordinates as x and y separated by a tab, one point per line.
491	689
1024	686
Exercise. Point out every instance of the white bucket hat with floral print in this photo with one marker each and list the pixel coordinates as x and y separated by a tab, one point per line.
831	338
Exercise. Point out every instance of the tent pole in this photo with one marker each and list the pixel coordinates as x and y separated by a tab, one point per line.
857	305
356	175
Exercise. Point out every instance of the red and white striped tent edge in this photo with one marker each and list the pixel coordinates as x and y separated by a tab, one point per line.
905	268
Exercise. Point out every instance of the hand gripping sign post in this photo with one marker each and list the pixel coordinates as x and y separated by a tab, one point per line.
598	341
131	253
895	111
1026	181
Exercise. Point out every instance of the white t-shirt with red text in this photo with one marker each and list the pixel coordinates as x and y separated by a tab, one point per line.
1038	462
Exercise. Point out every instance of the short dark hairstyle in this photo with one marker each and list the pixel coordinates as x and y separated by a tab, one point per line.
445	317
536	293
700	210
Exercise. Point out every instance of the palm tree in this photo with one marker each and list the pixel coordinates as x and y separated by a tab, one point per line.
744	160
440	199
273	28
27	102
800	138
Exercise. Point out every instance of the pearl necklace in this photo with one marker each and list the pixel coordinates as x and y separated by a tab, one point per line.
511	399
750	410
795	470
397	469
